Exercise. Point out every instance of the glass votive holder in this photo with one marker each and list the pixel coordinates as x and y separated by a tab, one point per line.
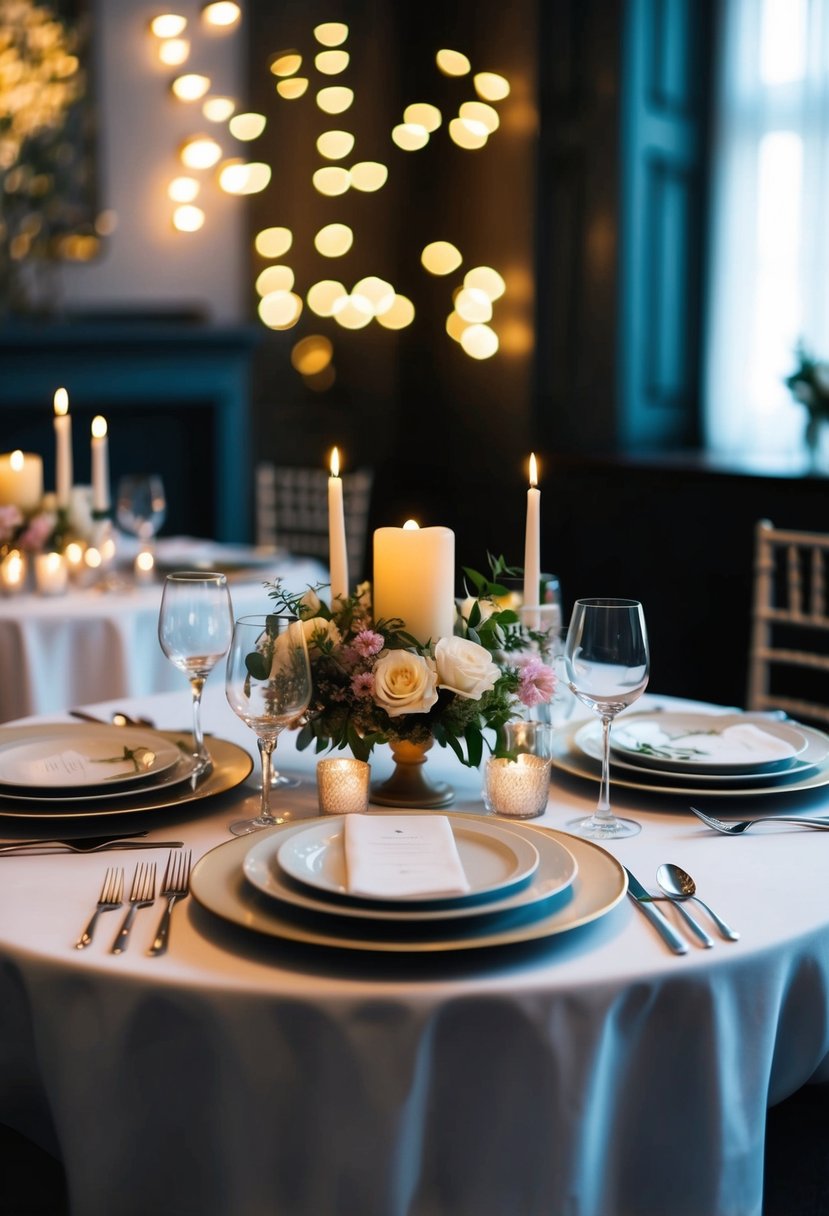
517	787
51	574
13	572
342	785
535	738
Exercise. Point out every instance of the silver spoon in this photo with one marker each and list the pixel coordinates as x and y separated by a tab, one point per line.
678	885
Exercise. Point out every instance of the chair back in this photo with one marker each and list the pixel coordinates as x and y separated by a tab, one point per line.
292	512
789	645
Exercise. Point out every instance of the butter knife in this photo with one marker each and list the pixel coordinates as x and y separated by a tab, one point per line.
645	903
41	847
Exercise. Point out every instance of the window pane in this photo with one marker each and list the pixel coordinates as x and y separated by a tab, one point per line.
783	41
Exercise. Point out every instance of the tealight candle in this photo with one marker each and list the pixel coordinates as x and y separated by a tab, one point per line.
144	567
414	579
517	787
342	786
13	569
74	558
21	480
51	573
337	552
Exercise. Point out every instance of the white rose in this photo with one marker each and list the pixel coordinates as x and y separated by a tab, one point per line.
404	683
464	667
317	628
309	605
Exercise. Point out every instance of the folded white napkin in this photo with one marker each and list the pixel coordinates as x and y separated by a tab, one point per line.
737	744
400	856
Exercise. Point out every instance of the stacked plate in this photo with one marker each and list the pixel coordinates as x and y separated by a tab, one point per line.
83	769
699	754
525	883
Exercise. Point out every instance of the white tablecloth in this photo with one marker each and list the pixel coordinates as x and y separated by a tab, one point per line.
92	645
596	1074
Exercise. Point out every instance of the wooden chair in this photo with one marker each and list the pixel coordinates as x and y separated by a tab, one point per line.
789	646
292	512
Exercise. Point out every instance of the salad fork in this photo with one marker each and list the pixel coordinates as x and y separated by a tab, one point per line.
174	886
112	893
142	895
737	827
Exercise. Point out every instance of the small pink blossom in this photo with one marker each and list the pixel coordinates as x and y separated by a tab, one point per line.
537	682
367	643
37	533
362	685
10	520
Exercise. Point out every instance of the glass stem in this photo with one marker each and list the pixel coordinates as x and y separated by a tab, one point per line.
197	686
603	811
266	747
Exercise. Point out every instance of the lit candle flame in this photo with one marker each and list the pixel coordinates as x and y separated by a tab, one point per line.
335	462
61	401
99	427
411	525
16	461
533	470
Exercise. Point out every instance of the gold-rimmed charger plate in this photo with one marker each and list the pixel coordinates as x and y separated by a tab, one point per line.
231	765
218	884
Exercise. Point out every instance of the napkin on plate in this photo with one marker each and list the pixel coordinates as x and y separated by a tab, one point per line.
741	743
400	856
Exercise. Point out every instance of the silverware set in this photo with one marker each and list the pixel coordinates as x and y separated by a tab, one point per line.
175	886
85	844
676	887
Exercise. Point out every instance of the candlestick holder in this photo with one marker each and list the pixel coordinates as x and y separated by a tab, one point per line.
408	786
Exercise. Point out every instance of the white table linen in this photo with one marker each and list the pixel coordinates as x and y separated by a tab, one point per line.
89	645
596	1074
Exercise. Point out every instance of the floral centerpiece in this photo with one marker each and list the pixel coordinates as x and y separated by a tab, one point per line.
375	683
29	533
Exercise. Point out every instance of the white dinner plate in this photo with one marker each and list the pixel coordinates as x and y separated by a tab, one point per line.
569	758
182	771
73	756
714	744
556	870
494	859
218	883
588	738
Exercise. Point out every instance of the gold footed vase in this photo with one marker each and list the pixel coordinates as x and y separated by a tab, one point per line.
408	786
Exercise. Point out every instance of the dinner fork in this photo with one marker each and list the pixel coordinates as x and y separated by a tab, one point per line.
142	895
112	894
175	886
737	827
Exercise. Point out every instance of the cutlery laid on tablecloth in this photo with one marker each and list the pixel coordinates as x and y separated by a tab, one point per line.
738	826
645	903
111	897
175	886
142	895
101	844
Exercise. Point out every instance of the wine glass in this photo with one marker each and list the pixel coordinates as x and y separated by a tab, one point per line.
140	505
195	625
606	662
268	684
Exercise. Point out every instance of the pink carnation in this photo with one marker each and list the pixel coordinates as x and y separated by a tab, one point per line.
362	685
537	682
367	643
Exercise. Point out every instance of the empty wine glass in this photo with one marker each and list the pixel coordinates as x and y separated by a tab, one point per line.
606	662
140	505
195	625
268	684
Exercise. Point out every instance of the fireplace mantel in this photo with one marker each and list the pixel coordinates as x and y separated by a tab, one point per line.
188	381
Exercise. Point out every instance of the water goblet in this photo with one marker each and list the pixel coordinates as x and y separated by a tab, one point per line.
606	662
140	505
195	624
268	685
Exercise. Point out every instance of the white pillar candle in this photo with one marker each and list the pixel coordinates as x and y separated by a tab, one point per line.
21	480
414	578
63	448
13	572
100	465
337	552
51	573
532	541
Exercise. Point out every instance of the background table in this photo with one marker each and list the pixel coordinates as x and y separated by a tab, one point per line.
594	1074
94	645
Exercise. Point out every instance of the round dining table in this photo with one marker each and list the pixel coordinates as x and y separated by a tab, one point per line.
592	1072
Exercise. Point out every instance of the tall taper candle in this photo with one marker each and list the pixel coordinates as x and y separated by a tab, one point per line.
63	448
532	541
414	578
100	464
337	552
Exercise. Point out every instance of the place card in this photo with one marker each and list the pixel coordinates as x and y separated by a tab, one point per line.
398	856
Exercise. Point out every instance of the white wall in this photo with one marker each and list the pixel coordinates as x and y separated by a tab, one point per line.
146	263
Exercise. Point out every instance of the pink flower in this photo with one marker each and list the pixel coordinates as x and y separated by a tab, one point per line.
38	532
362	685
537	682
10	520
367	643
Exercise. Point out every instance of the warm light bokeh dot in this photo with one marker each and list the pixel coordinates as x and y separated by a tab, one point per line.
312	355
441	257
274	278
335	99
247	126
334	145
423	115
286	64
368	175
453	63
323	296
293	88
334	240
273	242
331	33
331	63
400	314
490	86
331	180
280	309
